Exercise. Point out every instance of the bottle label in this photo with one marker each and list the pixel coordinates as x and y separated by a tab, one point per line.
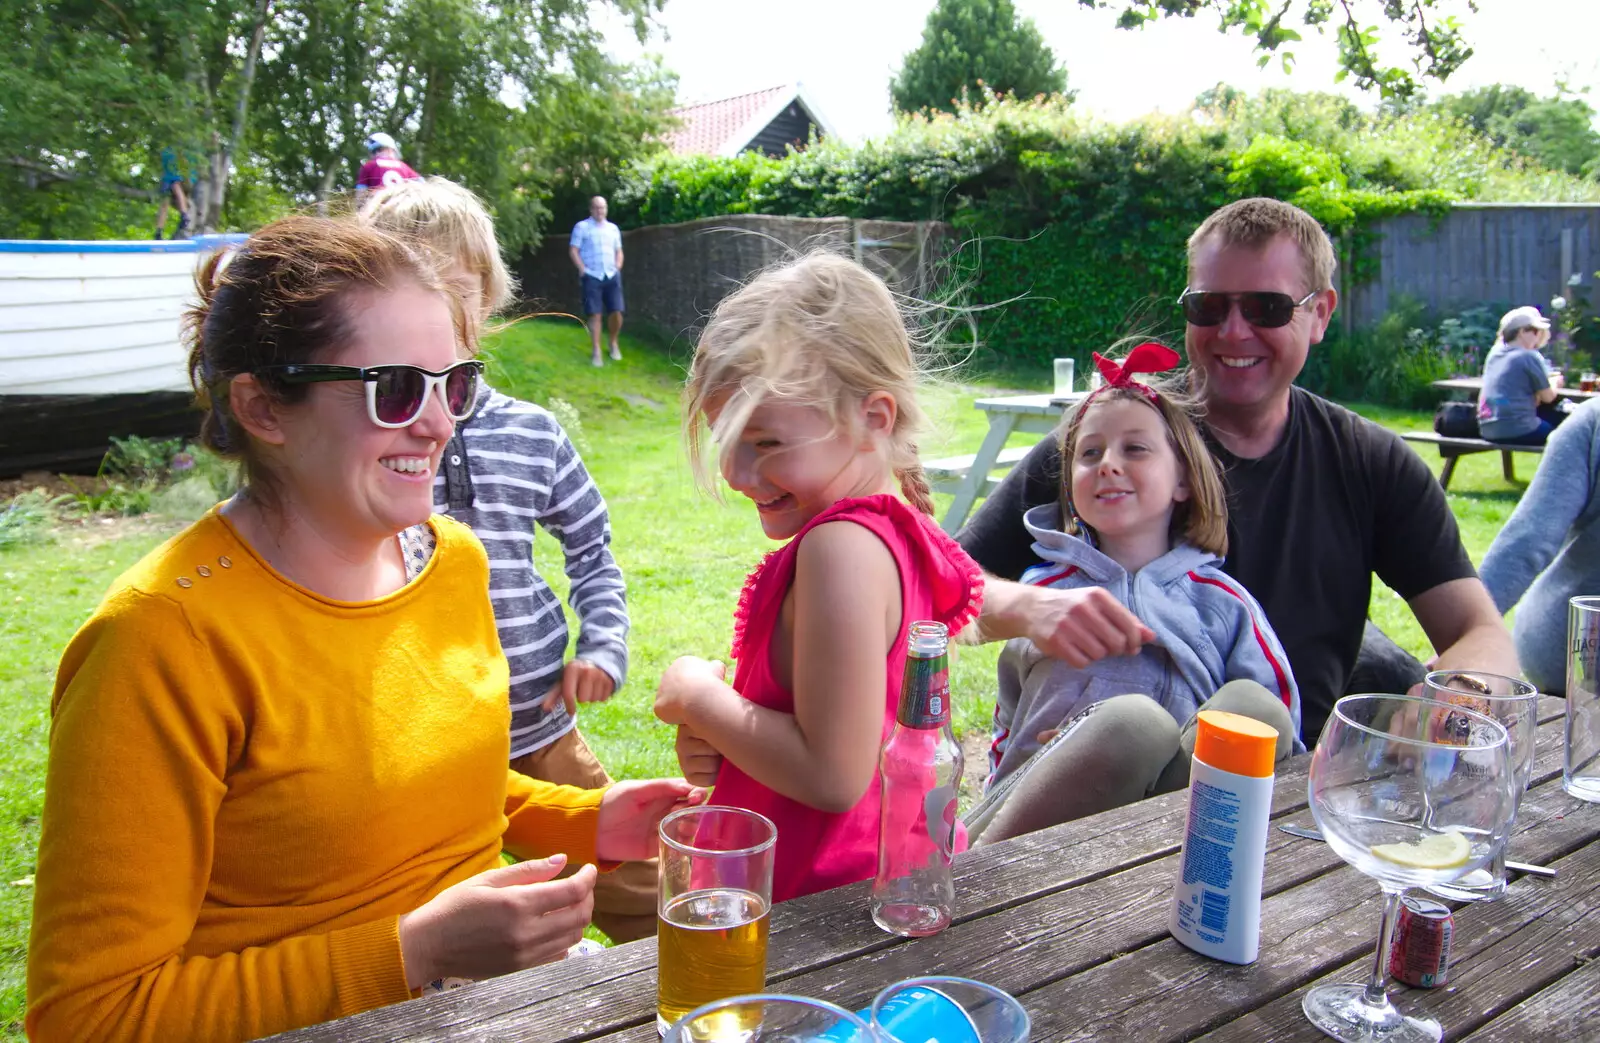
1208	860
925	693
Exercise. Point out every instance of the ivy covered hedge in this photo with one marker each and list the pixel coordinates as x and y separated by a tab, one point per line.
1078	227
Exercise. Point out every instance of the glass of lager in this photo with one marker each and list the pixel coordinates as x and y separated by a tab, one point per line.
713	901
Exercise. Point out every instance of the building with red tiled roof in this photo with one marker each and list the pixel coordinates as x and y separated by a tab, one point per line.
767	121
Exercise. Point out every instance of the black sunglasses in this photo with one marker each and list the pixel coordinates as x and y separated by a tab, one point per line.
1265	308
397	393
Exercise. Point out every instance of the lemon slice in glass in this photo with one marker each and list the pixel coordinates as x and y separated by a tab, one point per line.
1438	851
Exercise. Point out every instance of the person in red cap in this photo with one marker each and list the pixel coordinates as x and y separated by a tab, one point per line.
383	169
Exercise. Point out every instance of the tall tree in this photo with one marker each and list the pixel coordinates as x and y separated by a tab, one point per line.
516	100
1431	30
970	47
1557	132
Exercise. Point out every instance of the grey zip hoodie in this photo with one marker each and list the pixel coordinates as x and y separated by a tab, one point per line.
1209	631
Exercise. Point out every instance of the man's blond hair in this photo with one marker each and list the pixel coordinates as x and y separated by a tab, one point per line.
1255	223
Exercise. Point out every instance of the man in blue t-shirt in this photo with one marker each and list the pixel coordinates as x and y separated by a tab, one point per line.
596	251
1517	381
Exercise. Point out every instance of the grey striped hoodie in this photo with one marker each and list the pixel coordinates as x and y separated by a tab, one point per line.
509	466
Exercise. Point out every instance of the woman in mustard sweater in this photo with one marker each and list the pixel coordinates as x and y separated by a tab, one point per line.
277	790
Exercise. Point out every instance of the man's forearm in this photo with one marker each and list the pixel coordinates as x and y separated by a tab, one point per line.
1487	646
1460	620
1004	614
577	259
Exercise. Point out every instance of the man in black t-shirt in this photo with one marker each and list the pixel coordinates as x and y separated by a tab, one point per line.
1319	498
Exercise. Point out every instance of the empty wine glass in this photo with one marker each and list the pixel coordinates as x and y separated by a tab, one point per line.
1515	704
1410	792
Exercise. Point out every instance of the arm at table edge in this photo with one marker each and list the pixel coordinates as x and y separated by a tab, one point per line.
1465	628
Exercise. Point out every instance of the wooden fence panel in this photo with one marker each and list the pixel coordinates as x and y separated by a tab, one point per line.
673	275
1491	254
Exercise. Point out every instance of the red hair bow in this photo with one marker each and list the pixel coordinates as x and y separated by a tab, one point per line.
1148	357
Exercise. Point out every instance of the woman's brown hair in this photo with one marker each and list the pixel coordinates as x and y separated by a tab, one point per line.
281	299
1202	519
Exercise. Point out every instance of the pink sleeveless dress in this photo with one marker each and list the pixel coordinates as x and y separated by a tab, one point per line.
817	849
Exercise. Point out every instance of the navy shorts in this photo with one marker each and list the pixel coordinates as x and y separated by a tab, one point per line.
602	296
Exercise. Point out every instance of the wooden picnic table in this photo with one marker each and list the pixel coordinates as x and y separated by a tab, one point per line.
1073	921
1008	414
1475	385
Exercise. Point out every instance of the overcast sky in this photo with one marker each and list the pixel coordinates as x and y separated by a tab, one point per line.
845	52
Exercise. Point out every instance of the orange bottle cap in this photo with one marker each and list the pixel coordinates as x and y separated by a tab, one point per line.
1234	743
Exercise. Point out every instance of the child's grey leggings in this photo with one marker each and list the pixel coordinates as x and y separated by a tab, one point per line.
1117	751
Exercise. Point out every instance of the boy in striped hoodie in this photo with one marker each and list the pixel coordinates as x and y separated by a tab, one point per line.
508	467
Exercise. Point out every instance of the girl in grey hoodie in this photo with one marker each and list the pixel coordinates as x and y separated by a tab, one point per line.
1143	515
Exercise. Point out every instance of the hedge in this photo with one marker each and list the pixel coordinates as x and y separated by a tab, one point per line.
1077	228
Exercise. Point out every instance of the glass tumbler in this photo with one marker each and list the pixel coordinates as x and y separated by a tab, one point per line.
1580	771
1514	703
713	901
1065	371
950	1010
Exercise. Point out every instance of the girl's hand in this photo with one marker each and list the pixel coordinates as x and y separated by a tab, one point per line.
697	759
631	811
581	682
497	922
686	681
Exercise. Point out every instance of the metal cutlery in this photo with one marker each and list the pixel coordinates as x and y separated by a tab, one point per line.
1307	833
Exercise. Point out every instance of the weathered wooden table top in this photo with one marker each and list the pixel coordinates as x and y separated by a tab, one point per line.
1072	920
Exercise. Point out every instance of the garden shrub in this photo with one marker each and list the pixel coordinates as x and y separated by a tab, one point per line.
1396	361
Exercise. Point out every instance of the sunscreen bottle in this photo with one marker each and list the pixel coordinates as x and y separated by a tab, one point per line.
1216	900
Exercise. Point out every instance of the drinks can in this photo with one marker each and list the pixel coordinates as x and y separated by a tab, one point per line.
1420	953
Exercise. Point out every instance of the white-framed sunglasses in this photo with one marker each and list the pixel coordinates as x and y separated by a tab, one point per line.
396	393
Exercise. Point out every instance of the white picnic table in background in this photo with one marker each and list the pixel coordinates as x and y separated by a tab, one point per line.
967	478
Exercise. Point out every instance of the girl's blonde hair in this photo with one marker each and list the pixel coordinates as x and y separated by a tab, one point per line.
1202	519
452	223
822	332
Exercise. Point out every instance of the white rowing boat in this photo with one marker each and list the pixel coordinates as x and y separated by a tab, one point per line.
90	346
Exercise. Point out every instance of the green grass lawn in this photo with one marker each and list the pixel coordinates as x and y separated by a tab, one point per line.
684	553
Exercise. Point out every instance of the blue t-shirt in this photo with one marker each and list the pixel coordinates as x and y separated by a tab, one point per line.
1512	376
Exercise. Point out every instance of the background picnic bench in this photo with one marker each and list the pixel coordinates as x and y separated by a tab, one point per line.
1453	449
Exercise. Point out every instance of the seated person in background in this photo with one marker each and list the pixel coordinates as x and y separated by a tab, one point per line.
1549	550
277	790
509	466
1319	499
1141	515
1517	381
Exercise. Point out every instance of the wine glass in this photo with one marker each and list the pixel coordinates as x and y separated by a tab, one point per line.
1410	792
1515	704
